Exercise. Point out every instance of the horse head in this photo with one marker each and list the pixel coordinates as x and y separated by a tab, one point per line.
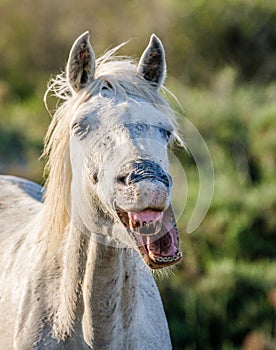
119	137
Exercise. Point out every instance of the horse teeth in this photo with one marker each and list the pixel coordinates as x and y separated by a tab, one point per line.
145	228
167	258
158	225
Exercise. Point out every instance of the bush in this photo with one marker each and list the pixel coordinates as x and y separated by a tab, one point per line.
220	309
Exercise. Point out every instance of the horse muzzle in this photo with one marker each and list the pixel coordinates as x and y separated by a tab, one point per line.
144	207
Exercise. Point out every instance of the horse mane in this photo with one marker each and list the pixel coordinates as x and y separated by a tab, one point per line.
122	74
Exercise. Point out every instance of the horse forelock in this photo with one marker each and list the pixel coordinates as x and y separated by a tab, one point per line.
122	75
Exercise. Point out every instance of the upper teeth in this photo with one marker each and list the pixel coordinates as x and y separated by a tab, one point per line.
143	224
150	228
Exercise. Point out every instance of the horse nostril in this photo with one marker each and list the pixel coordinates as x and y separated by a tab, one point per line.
143	170
122	179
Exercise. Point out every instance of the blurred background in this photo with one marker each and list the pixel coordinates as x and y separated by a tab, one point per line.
221	58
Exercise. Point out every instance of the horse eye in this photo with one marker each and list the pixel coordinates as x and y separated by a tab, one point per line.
80	129
75	128
168	135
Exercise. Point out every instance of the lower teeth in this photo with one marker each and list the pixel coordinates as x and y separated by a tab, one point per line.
167	258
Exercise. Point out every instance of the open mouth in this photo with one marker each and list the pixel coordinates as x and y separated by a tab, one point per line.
156	235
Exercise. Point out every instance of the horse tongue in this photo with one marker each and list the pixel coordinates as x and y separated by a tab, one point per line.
163	246
166	245
153	246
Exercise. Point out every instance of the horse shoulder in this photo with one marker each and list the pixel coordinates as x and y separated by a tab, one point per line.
19	200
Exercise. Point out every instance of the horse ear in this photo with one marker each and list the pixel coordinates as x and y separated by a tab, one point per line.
81	63
152	64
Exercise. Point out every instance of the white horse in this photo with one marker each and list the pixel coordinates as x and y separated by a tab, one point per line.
76	257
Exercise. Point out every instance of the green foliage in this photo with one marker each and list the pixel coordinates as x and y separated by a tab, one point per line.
219	309
211	34
219	294
22	129
223	55
200	36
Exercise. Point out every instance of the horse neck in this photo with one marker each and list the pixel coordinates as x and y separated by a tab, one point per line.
102	298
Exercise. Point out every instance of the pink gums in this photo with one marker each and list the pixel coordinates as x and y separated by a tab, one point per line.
146	216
